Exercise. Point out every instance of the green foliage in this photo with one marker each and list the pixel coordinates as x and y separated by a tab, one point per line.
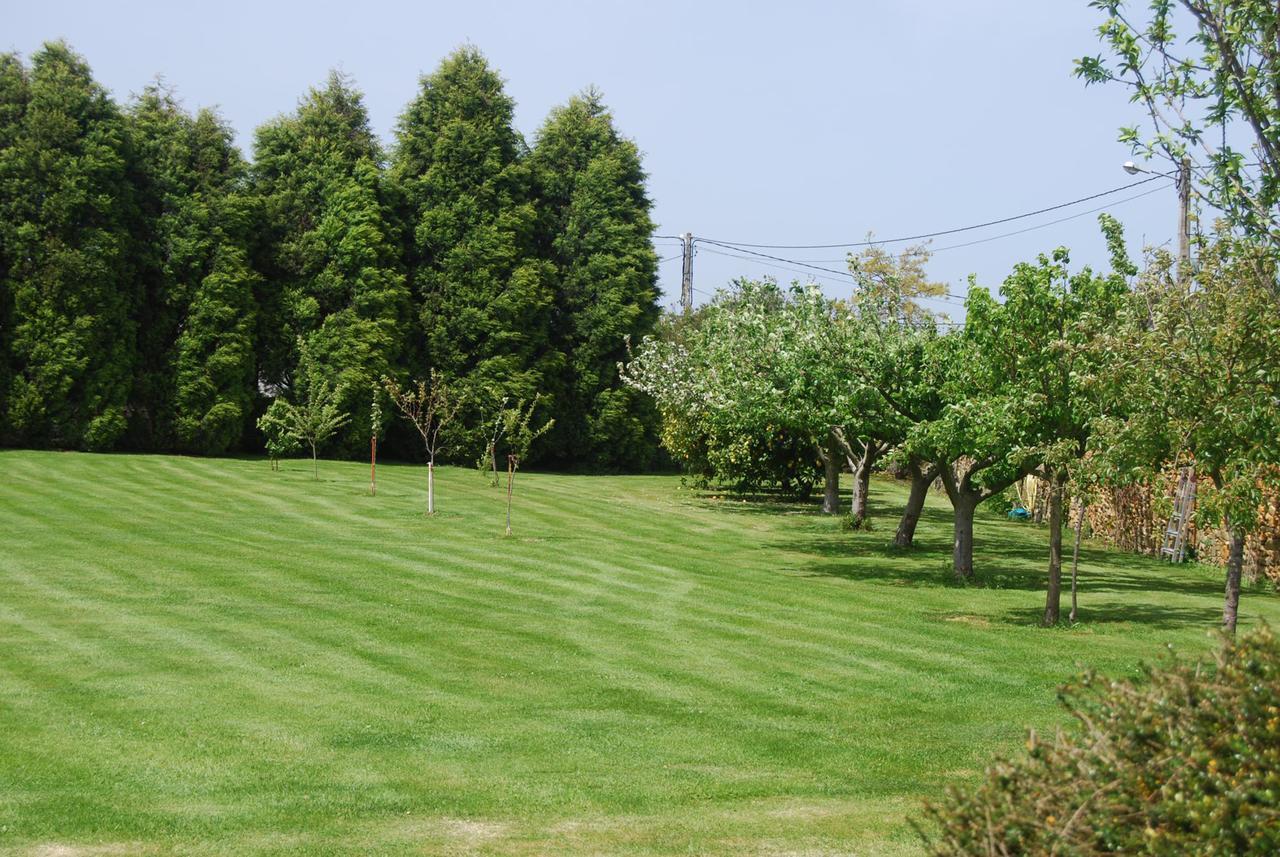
483	296
597	228
194	387
1185	760
742	390
311	416
332	274
1202	378
1195	378
14	94
519	430
68	207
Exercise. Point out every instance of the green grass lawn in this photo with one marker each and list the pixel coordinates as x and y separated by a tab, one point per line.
206	657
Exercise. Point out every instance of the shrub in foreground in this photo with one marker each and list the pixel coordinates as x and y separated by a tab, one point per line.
1185	760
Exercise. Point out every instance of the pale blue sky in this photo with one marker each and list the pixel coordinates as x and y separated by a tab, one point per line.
778	123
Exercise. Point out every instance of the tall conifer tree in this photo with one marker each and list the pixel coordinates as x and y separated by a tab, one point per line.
194	386
482	294
597	229
70	206
330	262
14	93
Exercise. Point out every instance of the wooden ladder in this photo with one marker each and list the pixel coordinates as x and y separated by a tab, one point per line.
1184	502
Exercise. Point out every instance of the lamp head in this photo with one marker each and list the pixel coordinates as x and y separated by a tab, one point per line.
1132	169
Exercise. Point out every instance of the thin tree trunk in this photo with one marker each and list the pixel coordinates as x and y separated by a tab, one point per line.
831	463
964	504
511	482
1053	598
315	463
921	478
1041	501
373	465
1235	563
431	487
1075	558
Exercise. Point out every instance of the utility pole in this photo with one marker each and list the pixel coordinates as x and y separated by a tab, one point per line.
686	274
1184	220
1184	211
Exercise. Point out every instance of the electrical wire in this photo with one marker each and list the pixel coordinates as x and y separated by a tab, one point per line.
740	245
775	258
767	264
1051	222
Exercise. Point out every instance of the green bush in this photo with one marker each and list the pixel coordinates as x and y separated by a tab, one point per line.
1185	760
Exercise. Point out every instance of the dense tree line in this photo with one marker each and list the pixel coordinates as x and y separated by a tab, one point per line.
158	290
1079	377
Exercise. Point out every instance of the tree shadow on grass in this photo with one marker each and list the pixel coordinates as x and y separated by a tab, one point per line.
1006	556
756	504
1157	616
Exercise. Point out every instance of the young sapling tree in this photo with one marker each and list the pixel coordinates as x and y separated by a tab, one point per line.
312	420
430	406
375	426
487	463
520	433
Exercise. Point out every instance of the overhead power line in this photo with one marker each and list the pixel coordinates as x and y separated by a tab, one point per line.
740	245
1049	223
775	258
766	264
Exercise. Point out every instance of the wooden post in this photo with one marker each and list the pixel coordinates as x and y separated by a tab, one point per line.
511	481
431	487
686	273
1075	557
1184	220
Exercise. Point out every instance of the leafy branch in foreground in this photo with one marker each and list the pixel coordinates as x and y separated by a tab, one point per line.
1184	760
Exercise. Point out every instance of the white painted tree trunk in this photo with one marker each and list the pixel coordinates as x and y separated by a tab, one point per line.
431	487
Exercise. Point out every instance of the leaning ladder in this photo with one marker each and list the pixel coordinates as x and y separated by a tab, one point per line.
1184	501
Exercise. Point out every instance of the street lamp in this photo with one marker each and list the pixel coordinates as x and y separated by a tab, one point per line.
1183	179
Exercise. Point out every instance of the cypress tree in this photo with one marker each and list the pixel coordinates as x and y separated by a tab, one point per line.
194	386
14	92
482	294
597	230
330	259
73	295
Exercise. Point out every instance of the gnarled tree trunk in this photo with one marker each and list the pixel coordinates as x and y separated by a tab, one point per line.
922	477
965	503
862	482
965	495
831	465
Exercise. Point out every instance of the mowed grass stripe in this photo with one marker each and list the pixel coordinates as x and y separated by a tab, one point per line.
206	656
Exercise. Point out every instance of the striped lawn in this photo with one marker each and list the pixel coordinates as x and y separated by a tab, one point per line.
206	657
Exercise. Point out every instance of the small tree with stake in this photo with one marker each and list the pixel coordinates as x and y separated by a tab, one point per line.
518	429
311	421
375	426
429	406
487	463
